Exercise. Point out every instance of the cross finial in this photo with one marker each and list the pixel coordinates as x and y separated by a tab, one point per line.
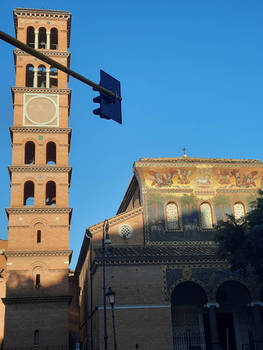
184	150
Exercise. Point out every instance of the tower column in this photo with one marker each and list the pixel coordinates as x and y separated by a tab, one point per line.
48	40
256	307
48	78
213	325
36	39
35	77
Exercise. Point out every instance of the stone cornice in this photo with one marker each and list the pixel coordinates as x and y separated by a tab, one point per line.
52	53
33	210
37	300
186	162
116	219
24	89
39	169
25	253
39	130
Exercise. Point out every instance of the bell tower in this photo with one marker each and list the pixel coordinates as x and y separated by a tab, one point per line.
38	255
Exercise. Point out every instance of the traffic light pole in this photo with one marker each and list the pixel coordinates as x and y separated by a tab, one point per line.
9	39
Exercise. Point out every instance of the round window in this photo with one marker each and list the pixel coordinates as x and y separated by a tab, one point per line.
125	231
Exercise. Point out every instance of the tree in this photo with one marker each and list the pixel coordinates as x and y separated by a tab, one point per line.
240	241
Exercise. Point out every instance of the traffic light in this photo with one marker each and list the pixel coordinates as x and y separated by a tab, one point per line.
110	107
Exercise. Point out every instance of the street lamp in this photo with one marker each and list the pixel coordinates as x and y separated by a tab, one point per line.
111	300
105	241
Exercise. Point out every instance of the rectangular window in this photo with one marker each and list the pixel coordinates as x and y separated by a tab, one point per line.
37	280
38	236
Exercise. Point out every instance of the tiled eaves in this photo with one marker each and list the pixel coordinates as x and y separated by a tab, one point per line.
116	219
157	255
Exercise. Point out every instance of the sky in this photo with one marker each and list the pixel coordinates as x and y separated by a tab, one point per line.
191	76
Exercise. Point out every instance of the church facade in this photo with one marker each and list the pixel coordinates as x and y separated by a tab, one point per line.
172	291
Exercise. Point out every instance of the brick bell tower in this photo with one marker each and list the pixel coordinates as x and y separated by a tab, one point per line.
38	255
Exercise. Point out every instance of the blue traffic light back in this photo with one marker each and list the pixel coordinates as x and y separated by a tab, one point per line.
110	107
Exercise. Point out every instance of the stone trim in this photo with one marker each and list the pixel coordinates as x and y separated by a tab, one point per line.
134	307
38	130
54	53
23	89
26	253
36	300
32	210
116	219
39	169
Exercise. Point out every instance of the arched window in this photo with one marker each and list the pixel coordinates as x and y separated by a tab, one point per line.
51	153
206	215
172	222
36	337
30	153
29	193
50	193
30	37
29	75
38	236
41	77
37	281
54	39
53	77
42	38
239	210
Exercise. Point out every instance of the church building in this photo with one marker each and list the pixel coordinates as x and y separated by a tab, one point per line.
157	256
172	291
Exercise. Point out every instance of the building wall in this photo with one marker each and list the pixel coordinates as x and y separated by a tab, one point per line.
3	247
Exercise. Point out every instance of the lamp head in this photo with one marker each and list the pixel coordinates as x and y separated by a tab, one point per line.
110	296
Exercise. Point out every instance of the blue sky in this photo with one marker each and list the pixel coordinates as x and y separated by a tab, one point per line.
191	75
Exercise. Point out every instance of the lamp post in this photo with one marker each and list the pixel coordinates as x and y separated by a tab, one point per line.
105	241
111	299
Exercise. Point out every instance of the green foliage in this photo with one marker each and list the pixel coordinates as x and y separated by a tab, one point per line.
240	242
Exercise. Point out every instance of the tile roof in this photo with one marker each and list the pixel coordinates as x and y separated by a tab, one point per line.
154	253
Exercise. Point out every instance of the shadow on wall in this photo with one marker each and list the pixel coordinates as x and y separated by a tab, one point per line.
30	303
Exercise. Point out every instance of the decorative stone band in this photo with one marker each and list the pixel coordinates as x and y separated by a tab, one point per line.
129	307
39	169
41	90
33	210
10	253
37	130
47	53
208	305
37	300
183	162
117	219
255	303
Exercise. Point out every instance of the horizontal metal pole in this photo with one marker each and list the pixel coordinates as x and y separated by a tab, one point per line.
9	39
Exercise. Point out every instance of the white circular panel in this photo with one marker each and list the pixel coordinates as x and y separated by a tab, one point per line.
125	231
41	110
